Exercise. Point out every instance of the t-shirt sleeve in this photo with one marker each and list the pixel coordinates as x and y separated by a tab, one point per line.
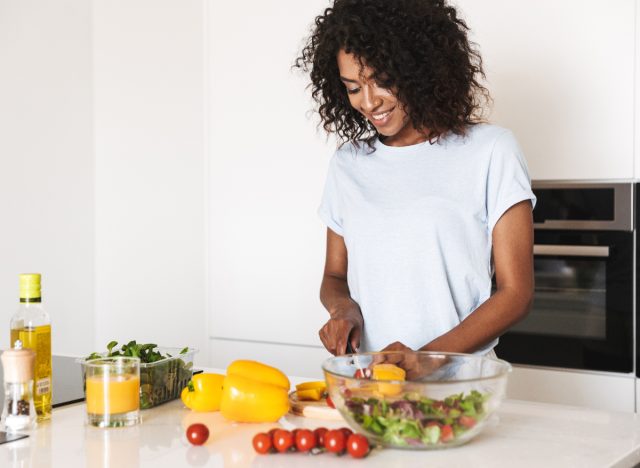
508	180
330	210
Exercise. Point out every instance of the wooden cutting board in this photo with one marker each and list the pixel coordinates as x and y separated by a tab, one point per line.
312	409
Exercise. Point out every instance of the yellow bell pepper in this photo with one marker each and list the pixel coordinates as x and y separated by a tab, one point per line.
204	392
254	392
257	371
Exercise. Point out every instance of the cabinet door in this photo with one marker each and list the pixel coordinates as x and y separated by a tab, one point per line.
562	76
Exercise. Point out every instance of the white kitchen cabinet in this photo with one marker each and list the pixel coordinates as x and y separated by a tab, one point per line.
562	76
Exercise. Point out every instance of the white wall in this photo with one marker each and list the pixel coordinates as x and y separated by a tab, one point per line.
103	175
150	172
268	165
46	164
562	74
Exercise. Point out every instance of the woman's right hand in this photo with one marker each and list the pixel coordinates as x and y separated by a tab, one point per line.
345	325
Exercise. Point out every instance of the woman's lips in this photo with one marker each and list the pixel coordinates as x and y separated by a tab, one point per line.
380	119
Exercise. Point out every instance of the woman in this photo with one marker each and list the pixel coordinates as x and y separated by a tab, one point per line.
423	201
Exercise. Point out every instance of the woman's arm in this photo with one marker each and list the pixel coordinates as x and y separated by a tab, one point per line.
513	261
346	320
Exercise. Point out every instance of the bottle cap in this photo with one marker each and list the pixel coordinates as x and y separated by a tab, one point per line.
17	364
30	286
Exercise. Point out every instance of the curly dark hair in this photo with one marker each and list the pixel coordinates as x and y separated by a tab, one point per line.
418	48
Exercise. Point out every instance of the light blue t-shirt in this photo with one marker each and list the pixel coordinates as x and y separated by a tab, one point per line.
417	223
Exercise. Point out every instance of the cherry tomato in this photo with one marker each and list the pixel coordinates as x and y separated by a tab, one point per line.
334	441
282	440
330	402
197	434
319	433
305	440
357	446
262	443
346	431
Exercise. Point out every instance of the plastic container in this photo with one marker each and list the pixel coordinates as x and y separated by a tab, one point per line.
447	400
163	380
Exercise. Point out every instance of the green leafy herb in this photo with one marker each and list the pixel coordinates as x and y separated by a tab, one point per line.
414	420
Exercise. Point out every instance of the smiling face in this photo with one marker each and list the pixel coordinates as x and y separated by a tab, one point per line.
378	105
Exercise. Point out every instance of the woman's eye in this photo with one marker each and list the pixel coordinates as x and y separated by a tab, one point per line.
352	91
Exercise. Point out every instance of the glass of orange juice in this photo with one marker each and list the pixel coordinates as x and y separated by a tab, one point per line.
113	391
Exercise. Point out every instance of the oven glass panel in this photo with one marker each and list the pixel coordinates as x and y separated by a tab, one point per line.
574	204
569	300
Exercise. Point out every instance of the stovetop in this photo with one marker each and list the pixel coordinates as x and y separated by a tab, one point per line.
67	382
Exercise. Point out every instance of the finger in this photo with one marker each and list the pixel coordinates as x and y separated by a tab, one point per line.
394	357
356	333
341	346
326	341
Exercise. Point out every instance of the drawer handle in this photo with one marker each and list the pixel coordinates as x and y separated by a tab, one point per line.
571	250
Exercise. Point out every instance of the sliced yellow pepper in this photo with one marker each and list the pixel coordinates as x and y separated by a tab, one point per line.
309	385
247	400
313	394
203	393
388	372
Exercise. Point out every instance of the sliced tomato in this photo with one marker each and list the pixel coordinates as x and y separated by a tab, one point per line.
467	421
446	433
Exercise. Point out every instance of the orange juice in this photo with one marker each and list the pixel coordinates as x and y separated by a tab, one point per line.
113	394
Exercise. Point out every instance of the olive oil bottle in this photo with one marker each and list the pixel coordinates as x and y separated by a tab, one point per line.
32	326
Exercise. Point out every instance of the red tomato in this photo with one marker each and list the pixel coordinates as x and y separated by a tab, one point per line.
330	402
334	441
446	433
262	443
197	434
362	374
346	431
305	440
271	432
357	446
467	421
282	440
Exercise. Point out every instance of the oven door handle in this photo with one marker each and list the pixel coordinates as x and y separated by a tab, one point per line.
571	250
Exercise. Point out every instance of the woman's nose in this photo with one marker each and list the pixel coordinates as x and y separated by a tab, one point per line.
370	100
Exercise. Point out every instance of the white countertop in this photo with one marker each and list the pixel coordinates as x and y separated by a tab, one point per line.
524	434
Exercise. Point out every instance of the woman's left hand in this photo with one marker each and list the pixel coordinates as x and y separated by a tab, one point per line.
405	358
415	364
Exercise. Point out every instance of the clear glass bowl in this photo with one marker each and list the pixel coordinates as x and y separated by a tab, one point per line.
445	401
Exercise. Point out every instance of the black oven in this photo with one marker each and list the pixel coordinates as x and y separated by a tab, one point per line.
584	259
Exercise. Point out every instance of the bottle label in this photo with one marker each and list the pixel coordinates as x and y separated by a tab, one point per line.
43	386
